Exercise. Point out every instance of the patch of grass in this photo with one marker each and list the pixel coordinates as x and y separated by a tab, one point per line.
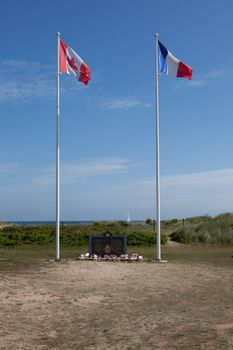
211	255
193	254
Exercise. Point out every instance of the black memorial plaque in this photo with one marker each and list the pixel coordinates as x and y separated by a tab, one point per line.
107	244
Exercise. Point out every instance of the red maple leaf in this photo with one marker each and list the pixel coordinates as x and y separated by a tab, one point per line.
72	63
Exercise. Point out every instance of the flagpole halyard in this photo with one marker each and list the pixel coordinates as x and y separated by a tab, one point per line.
158	257
58	152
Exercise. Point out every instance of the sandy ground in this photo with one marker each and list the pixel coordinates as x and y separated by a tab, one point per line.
110	305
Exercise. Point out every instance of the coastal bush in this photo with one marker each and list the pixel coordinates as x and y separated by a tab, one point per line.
16	235
181	236
197	230
73	235
149	221
144	238
140	238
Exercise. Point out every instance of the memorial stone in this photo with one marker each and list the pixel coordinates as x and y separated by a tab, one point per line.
107	244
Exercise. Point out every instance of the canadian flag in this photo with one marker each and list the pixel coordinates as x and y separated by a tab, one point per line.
71	63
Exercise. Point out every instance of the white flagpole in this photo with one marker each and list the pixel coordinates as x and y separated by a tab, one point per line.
158	258
58	153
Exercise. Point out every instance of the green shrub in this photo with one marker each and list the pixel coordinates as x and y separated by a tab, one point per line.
149	221
75	235
15	235
144	238
181	236
199	230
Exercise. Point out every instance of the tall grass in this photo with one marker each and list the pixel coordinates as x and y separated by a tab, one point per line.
206	230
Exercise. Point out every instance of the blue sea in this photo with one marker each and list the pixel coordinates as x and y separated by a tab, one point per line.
53	223
33	223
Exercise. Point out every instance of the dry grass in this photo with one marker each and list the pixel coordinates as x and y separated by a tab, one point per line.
184	304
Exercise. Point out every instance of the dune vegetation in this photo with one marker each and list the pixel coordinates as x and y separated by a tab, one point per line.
195	230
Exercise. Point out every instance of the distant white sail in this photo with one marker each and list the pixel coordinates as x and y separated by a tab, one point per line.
128	217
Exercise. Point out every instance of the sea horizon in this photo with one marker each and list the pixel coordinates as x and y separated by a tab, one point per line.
53	222
47	222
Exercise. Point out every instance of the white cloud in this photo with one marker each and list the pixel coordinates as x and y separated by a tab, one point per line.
202	180
184	195
85	191
21	177
209	192
123	103
8	168
22	80
28	192
213	74
198	82
207	78
94	167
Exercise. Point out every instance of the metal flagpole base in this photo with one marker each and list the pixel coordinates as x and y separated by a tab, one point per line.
54	260
160	261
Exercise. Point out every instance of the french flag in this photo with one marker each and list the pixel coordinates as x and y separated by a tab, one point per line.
71	63
170	65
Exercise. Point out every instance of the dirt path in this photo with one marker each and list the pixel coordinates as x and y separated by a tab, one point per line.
107	305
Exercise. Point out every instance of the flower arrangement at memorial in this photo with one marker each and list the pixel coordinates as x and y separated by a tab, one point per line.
112	257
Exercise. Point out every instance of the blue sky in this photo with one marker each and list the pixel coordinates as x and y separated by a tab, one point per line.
108	127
